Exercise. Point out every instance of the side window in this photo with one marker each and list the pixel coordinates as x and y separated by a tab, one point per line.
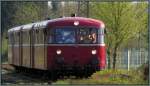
36	36
32	36
101	31
25	36
17	37
101	35
50	35
9	42
9	38
40	37
15	40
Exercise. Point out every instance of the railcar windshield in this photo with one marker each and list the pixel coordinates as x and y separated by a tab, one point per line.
73	35
65	35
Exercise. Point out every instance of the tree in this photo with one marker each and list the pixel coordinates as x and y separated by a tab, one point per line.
7	10
28	12
123	21
59	9
17	13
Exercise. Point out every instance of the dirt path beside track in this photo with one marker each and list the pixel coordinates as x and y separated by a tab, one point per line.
9	76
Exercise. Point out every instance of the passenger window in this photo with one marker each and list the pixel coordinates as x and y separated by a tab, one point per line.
49	36
28	37
41	36
36	37
25	37
101	31
15	38
10	37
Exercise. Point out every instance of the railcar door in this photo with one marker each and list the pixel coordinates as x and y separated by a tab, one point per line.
26	48
39	48
16	49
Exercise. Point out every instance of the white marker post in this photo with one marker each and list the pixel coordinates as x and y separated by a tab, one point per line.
128	59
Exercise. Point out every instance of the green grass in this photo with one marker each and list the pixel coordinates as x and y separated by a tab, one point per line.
109	77
4	49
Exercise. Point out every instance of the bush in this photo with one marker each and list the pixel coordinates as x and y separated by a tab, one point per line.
109	77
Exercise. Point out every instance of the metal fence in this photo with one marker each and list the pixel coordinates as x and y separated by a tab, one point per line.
131	58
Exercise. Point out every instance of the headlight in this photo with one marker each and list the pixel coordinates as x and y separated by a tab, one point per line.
76	23
58	52
93	52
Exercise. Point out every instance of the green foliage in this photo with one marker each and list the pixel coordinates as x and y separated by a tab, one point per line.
28	12
123	20
4	49
109	77
19	13
7	11
62	82
62	9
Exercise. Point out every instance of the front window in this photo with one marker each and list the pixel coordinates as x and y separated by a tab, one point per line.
73	35
87	35
65	35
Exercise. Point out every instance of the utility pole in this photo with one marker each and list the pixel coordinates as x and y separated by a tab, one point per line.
149	32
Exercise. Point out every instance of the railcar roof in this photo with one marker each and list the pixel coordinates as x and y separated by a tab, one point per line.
44	23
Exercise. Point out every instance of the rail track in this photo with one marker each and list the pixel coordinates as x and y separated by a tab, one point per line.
11	76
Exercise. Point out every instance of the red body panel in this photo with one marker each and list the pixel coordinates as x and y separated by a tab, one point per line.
81	54
102	55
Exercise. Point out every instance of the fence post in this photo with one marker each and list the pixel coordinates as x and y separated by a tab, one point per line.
128	59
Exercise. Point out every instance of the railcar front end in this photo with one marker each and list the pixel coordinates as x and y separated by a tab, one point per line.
76	44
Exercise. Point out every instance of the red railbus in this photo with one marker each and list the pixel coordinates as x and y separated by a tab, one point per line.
68	44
